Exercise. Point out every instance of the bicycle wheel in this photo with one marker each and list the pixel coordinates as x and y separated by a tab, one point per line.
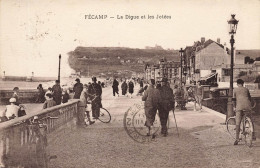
231	126
104	116
248	131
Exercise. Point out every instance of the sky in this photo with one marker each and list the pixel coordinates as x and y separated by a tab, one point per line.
34	32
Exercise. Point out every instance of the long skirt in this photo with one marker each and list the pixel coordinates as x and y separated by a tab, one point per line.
150	113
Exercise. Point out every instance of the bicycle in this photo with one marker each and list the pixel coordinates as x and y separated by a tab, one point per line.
246	127
104	116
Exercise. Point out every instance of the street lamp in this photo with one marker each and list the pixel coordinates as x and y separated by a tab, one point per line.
59	68
233	27
181	53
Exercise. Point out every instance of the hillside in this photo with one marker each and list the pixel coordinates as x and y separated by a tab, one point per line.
116	60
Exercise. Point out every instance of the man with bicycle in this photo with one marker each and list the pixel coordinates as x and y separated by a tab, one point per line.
243	102
95	92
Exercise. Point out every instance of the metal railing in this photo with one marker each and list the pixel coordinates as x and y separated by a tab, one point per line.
21	142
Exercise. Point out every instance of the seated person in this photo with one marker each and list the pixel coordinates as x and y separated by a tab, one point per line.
49	102
11	110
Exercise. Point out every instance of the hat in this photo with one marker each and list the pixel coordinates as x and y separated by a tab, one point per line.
77	80
12	100
164	80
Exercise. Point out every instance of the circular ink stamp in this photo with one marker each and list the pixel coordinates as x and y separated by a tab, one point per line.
134	120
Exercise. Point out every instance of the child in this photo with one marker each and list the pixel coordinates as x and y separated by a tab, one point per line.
65	96
49	102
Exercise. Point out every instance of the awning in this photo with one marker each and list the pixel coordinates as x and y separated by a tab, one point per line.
209	76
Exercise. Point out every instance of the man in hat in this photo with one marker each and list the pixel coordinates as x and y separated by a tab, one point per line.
152	99
95	92
78	87
57	92
166	104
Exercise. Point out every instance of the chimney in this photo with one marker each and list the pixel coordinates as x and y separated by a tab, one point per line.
202	40
218	40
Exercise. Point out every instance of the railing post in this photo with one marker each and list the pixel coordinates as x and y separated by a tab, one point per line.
2	149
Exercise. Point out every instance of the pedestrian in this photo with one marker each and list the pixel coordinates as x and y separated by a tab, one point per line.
95	93
78	87
166	104
82	108
124	87
115	87
49	102
152	99
16	95
11	110
243	102
141	83
41	94
131	88
198	96
65	96
57	92
88	103
184	95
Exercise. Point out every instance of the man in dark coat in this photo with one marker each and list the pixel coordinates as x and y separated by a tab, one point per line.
95	92
131	88
78	87
124	88
166	104
57	92
152	99
115	87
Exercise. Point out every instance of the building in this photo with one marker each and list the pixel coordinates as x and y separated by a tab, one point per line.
209	61
164	68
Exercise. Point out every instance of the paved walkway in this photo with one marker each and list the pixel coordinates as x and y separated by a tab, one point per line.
203	142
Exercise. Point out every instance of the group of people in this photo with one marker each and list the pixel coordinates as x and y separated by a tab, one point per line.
126	86
90	96
161	99
14	109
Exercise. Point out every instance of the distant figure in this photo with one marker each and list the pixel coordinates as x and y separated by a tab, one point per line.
124	87
11	110
141	84
198	95
57	92
65	96
131	88
41	94
16	96
102	84
115	87
49	102
78	87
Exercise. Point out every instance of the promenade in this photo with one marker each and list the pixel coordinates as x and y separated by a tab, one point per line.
203	142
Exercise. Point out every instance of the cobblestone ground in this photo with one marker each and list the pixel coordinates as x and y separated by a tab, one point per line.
203	143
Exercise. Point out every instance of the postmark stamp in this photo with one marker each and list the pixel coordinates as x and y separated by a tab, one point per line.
134	120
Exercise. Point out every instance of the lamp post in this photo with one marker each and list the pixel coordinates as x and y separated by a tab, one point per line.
181	53
233	27
59	68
